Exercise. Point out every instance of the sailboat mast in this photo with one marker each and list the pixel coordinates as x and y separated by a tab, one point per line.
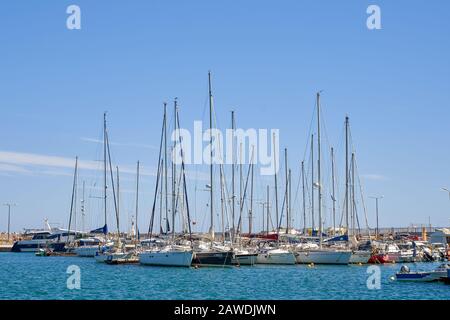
83	208
267	207
166	195
286	194
319	182
289	203
233	200
174	170
304	199
104	166
241	196
312	185
72	203
333	183
137	201
346	176
276	182
353	194
211	179
118	203
250	213
222	204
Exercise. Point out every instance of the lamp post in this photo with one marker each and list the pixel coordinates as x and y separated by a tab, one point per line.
376	206
9	205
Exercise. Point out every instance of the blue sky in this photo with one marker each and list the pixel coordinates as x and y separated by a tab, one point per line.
268	59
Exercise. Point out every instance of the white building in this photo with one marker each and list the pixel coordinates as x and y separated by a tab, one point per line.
440	236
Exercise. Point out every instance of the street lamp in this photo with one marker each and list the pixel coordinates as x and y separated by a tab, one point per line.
9	205
376	204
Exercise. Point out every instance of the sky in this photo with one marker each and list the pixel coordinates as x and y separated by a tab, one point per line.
268	59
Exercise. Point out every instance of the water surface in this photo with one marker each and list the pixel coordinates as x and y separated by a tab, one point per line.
25	276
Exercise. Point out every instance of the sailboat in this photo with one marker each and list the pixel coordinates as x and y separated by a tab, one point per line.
321	254
88	247
171	254
359	255
268	254
207	255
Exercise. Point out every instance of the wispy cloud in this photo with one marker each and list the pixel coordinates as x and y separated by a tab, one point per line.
29	163
120	144
32	163
374	176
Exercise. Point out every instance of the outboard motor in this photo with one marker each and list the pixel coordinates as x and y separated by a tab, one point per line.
404	269
427	256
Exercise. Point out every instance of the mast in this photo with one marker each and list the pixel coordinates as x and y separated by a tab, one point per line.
222	204
268	212
174	170
346	176
333	183
276	184
250	213
104	166
137	200
83	208
211	179
319	169
286	194
165	168
72	203
289	203
312	184
159	176
232	177
118	203
353	194
241	196
304	199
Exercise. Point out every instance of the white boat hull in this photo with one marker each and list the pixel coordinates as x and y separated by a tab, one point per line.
169	258
275	258
323	257
245	259
358	257
87	251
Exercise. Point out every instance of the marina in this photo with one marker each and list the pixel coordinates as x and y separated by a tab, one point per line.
320	249
243	151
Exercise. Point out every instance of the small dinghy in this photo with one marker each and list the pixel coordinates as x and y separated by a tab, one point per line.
43	253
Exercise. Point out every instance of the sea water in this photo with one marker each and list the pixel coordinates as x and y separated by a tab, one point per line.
26	276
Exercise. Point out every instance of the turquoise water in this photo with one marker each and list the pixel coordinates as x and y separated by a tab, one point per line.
25	276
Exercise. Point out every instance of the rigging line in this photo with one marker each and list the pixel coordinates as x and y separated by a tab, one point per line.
184	182
362	196
112	183
243	196
310	130
150	228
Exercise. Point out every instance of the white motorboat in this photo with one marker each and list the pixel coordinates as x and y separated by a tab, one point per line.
406	274
89	247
